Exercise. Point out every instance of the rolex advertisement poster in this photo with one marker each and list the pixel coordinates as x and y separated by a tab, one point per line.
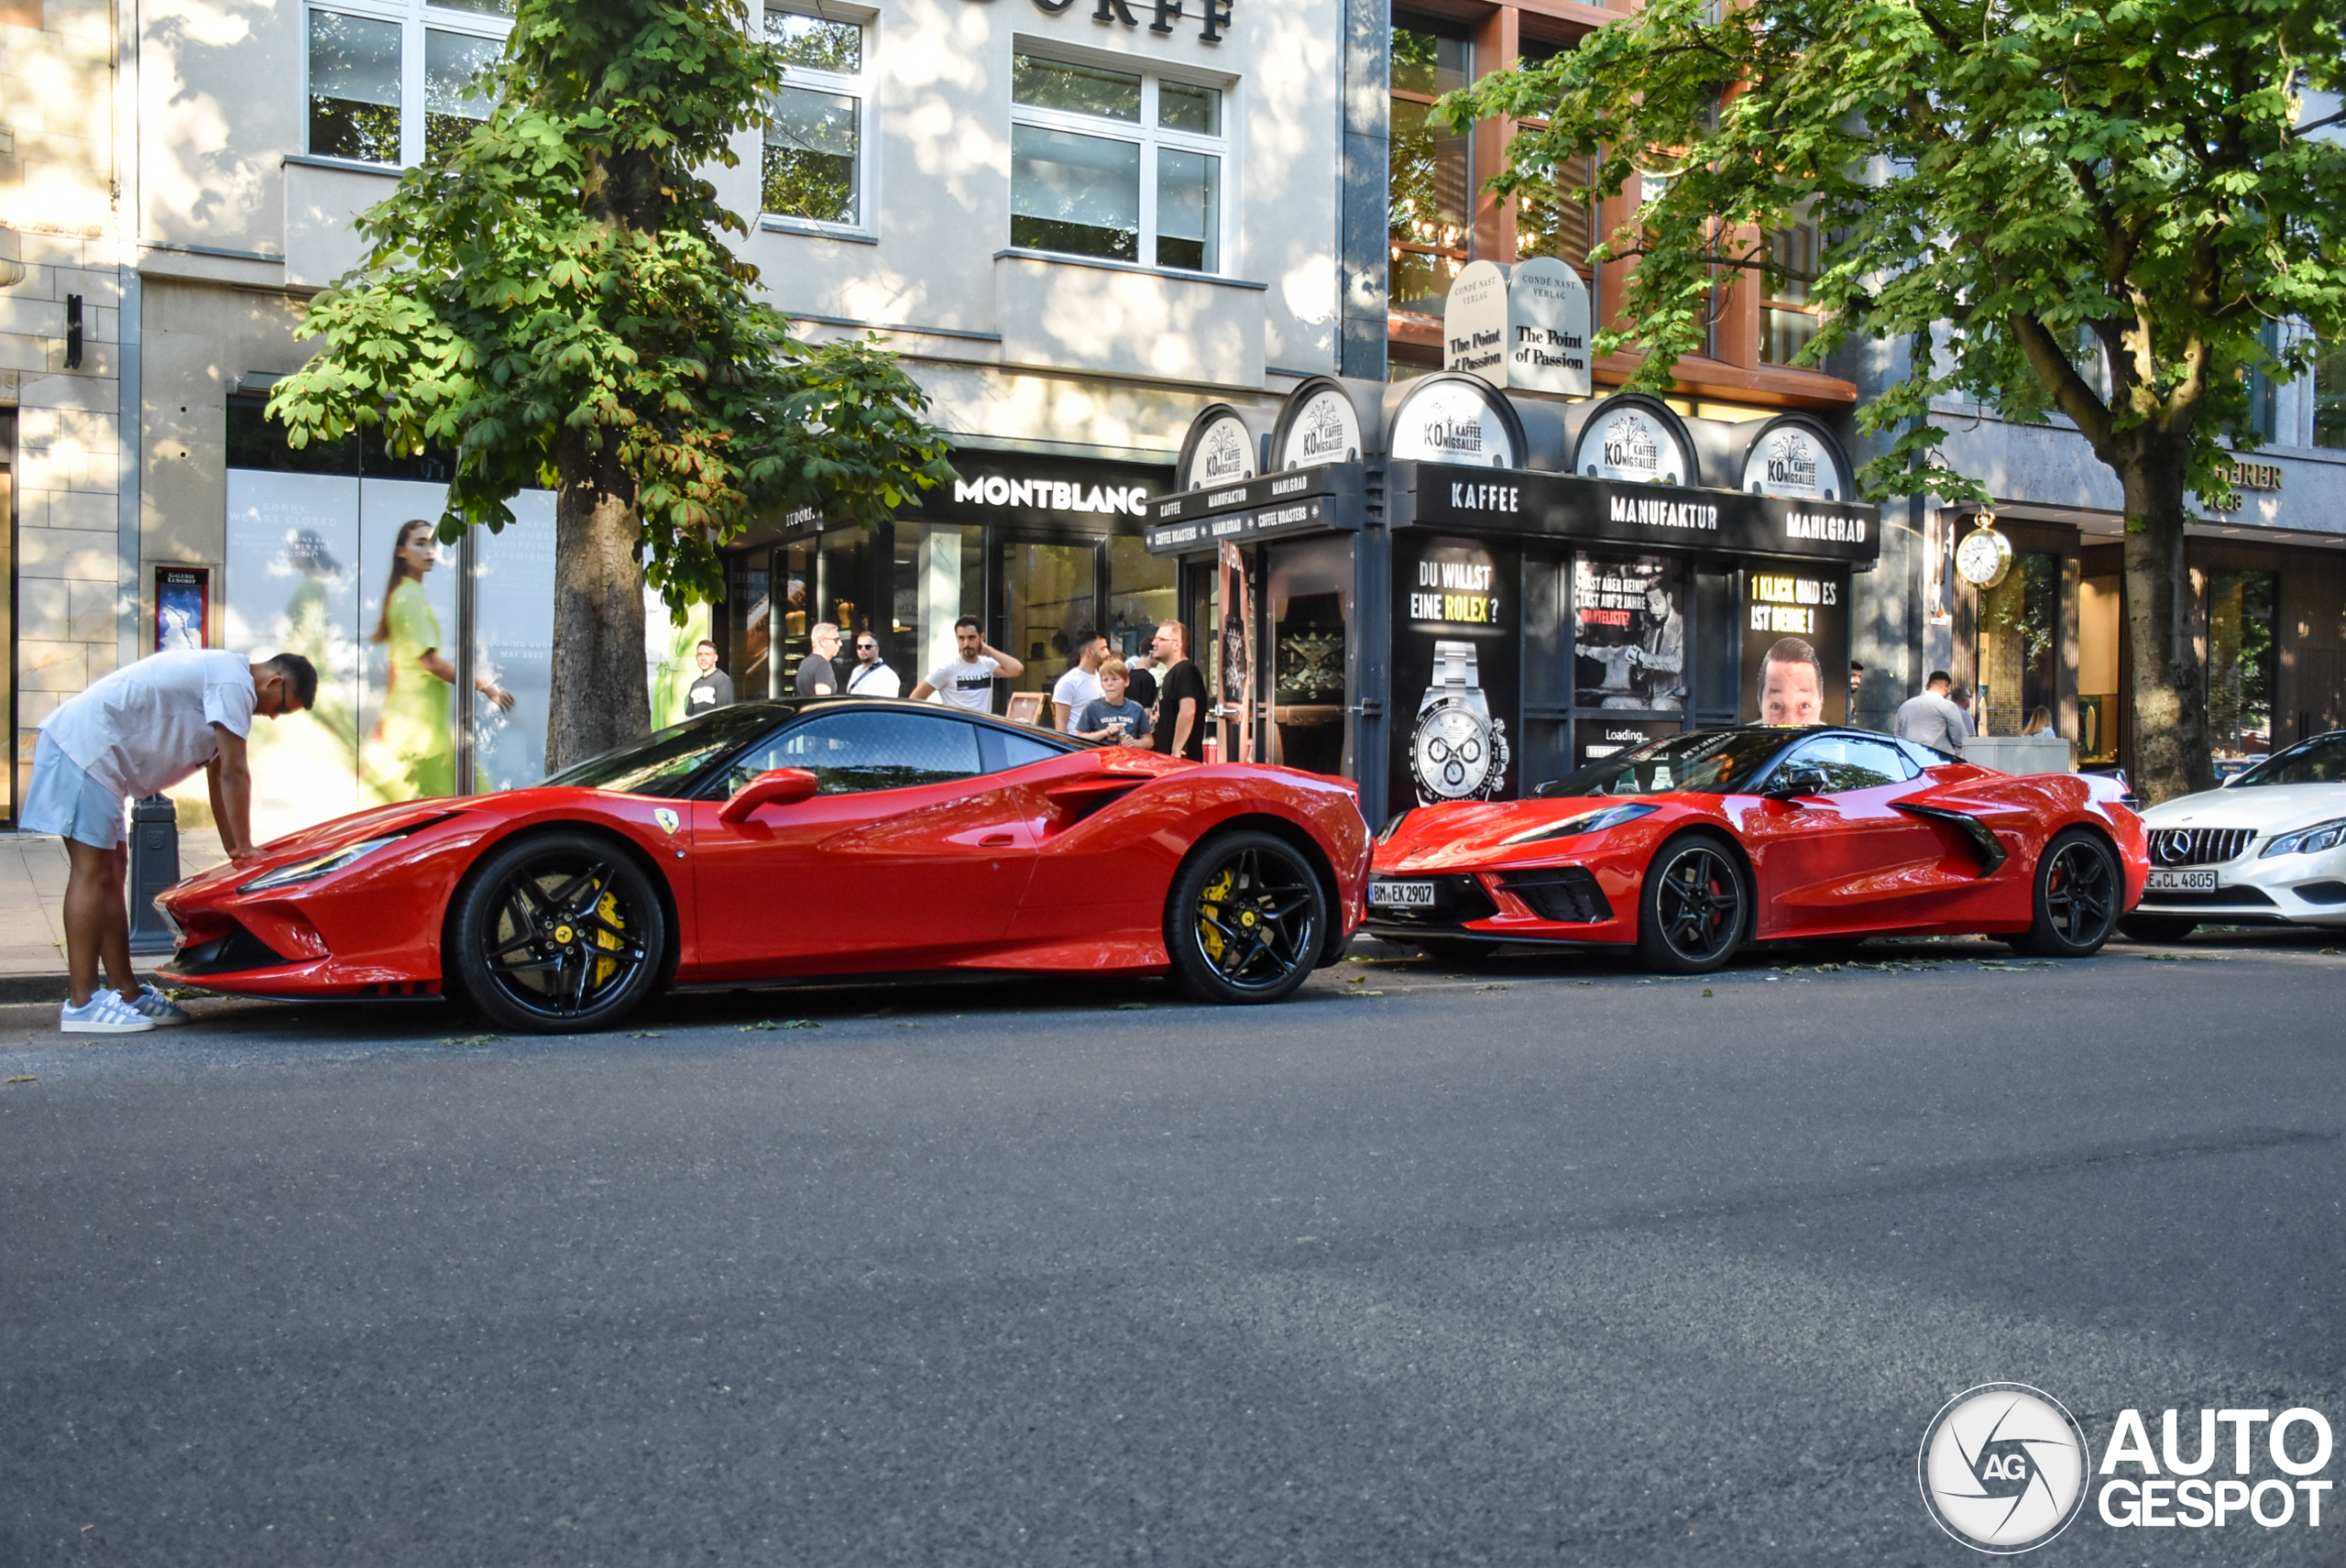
1795	647
1455	676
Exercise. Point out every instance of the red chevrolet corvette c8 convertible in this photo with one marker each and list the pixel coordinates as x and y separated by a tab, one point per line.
780	840
1687	847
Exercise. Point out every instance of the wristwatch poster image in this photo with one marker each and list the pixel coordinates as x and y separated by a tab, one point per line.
1454	648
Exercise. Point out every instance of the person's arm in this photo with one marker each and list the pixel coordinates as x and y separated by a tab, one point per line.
443	670
1060	713
1183	723
230	780
1004	663
922	692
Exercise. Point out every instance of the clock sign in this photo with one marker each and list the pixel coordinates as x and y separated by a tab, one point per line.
1983	558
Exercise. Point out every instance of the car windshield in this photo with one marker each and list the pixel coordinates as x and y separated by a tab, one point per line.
2321	759
665	763
1716	761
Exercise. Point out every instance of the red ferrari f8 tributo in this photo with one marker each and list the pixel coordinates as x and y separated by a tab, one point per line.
1689	847
780	840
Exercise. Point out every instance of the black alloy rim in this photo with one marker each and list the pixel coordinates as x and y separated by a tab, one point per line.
2077	894
1255	924
1699	902
562	941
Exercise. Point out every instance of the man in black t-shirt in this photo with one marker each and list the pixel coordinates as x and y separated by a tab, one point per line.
1180	728
712	688
818	675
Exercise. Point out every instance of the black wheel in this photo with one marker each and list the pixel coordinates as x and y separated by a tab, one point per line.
557	932
1456	949
1246	919
2078	890
1694	908
2157	928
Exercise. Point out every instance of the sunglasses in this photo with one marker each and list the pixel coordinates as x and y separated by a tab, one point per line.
867	647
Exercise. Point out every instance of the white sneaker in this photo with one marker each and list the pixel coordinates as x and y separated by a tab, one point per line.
104	1014
160	1008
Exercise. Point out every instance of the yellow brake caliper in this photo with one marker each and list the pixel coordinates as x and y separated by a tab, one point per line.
607	939
1209	904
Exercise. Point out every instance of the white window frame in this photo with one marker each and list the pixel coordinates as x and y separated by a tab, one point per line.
414	19
1150	137
864	88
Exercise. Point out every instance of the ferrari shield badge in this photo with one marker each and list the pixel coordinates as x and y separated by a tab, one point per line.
665	817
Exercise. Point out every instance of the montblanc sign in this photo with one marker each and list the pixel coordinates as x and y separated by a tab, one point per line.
1157	16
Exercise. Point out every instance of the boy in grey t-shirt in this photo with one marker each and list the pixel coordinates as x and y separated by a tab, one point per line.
1111	717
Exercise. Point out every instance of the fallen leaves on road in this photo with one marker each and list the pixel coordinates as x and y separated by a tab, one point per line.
460	1042
1132	1006
2187	958
1360	993
783	1024
27	1078
1706	990
645	1035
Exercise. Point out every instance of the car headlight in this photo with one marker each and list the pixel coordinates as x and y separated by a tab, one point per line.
334	861
1586	822
2309	841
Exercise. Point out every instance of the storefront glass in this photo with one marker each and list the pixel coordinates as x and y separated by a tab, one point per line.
846	579
1309	586
514	643
1140	595
2020	637
2101	622
2241	663
749	624
939	577
1049	594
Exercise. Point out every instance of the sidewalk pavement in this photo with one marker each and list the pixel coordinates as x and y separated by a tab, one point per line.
32	894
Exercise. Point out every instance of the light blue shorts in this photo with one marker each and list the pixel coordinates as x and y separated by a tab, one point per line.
67	802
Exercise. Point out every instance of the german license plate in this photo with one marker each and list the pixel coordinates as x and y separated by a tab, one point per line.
1401	894
2182	882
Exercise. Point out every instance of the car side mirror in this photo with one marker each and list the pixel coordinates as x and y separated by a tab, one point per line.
776	786
1793	782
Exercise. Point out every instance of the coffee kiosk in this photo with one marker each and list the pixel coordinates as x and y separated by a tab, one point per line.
1446	591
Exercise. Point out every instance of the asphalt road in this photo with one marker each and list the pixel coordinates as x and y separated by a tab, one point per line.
1544	1263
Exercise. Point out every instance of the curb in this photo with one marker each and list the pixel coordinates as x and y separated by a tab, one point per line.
22	988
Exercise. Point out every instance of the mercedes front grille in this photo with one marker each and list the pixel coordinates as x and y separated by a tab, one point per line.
2198	846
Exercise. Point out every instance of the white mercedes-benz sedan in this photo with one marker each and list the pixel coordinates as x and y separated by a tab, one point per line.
2268	849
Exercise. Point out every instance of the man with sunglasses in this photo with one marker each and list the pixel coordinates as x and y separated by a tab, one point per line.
872	676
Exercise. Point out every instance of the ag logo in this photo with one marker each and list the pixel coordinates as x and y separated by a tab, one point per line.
2003	1468
665	817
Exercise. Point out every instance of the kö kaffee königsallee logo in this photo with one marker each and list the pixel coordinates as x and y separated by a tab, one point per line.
2003	1467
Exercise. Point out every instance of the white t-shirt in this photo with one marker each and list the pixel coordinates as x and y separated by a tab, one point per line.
148	724
965	683
875	680
1075	688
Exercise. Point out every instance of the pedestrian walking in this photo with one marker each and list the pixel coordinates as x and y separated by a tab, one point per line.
1928	719
1113	715
1078	687
1181	725
818	676
967	679
871	675
2040	723
1961	698
136	732
712	688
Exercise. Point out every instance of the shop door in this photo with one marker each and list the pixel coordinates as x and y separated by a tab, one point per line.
1050	592
1308	603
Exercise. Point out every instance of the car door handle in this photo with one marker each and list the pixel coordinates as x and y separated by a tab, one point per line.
997	841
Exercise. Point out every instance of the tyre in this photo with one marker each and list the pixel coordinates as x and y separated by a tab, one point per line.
2078	890
557	932
2157	928
1455	949
1245	920
1695	906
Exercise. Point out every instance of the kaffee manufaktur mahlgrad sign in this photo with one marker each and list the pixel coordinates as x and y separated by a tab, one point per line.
1670	516
1213	16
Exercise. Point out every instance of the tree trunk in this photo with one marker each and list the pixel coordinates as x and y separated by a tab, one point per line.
599	701
2173	754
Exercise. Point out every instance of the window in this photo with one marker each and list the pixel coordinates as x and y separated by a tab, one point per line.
1848	763
814	150
1115	164
1787	321
1431	189
2243	658
851	752
2329	395
399	84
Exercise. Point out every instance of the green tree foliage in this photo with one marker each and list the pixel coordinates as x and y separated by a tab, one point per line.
555	300
2090	208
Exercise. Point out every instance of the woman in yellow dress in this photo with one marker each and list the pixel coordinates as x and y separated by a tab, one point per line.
416	737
